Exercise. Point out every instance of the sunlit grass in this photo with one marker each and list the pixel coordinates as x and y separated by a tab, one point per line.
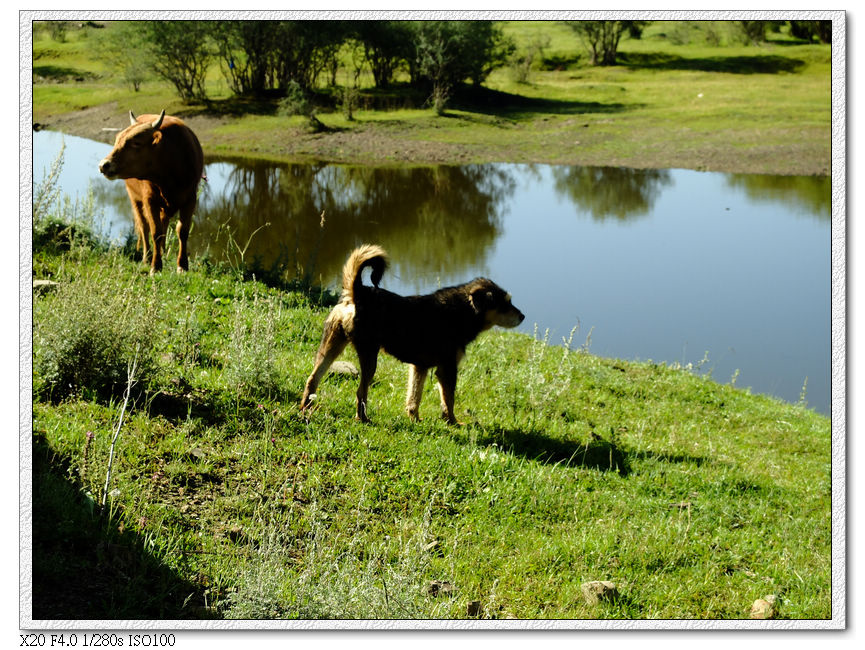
694	497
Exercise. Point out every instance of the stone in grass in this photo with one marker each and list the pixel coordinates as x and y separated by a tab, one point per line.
765	607
437	587
44	285
598	591
343	368
474	609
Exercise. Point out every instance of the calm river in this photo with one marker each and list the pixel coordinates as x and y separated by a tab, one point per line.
670	265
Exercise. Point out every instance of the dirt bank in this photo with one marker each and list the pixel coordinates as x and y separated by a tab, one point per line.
567	142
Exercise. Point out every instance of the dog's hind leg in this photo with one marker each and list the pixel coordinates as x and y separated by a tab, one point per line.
416	379
333	342
368	363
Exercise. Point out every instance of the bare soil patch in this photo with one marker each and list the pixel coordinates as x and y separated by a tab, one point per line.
398	142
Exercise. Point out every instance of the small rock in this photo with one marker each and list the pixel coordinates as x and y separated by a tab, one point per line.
474	609
235	533
344	368
437	587
44	285
765	607
599	590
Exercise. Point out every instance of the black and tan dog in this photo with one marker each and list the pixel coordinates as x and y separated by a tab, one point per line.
429	331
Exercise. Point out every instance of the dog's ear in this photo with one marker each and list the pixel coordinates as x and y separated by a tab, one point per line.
481	298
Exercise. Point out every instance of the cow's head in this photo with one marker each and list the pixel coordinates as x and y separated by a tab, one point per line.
134	153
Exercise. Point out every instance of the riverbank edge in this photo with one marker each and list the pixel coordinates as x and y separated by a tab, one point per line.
400	143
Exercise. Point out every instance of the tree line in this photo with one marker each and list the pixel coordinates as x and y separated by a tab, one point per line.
262	58
267	58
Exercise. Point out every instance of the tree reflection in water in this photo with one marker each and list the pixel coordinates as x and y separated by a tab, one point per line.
435	222
611	192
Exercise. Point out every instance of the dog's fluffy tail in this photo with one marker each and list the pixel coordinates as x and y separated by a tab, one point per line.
361	257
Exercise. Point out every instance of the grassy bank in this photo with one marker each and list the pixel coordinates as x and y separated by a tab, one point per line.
673	102
695	498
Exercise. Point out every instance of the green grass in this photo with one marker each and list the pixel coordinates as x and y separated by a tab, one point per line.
695	498
674	101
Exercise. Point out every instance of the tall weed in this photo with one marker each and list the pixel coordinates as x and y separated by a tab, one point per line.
87	331
250	367
338	579
60	222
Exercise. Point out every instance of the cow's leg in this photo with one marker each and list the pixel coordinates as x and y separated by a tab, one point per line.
142	229
416	379
333	342
153	217
184	223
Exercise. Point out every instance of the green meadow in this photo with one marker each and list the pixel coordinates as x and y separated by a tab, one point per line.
175	478
674	101
204	492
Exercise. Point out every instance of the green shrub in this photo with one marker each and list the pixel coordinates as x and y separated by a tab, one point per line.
295	101
88	330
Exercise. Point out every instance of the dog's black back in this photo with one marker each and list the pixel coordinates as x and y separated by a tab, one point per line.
423	330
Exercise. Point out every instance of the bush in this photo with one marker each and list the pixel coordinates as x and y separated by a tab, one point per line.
87	332
295	102
521	63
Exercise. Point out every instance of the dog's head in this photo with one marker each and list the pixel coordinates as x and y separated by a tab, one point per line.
494	303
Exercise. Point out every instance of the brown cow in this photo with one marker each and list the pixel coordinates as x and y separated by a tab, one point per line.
161	161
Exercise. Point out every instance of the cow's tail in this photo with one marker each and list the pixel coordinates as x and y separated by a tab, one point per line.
361	257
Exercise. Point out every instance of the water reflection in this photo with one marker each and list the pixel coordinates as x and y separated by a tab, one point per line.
808	195
436	222
611	192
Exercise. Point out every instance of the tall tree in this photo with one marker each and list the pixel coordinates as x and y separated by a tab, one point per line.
601	37
387	44
121	47
450	52
181	53
246	50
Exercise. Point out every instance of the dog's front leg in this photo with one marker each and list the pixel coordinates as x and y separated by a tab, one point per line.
368	363
416	379
447	378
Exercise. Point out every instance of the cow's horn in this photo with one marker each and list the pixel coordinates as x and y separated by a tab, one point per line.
132	119
158	121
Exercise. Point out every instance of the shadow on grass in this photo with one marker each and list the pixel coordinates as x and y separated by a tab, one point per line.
699	461
86	566
758	64
507	105
467	98
59	73
597	453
